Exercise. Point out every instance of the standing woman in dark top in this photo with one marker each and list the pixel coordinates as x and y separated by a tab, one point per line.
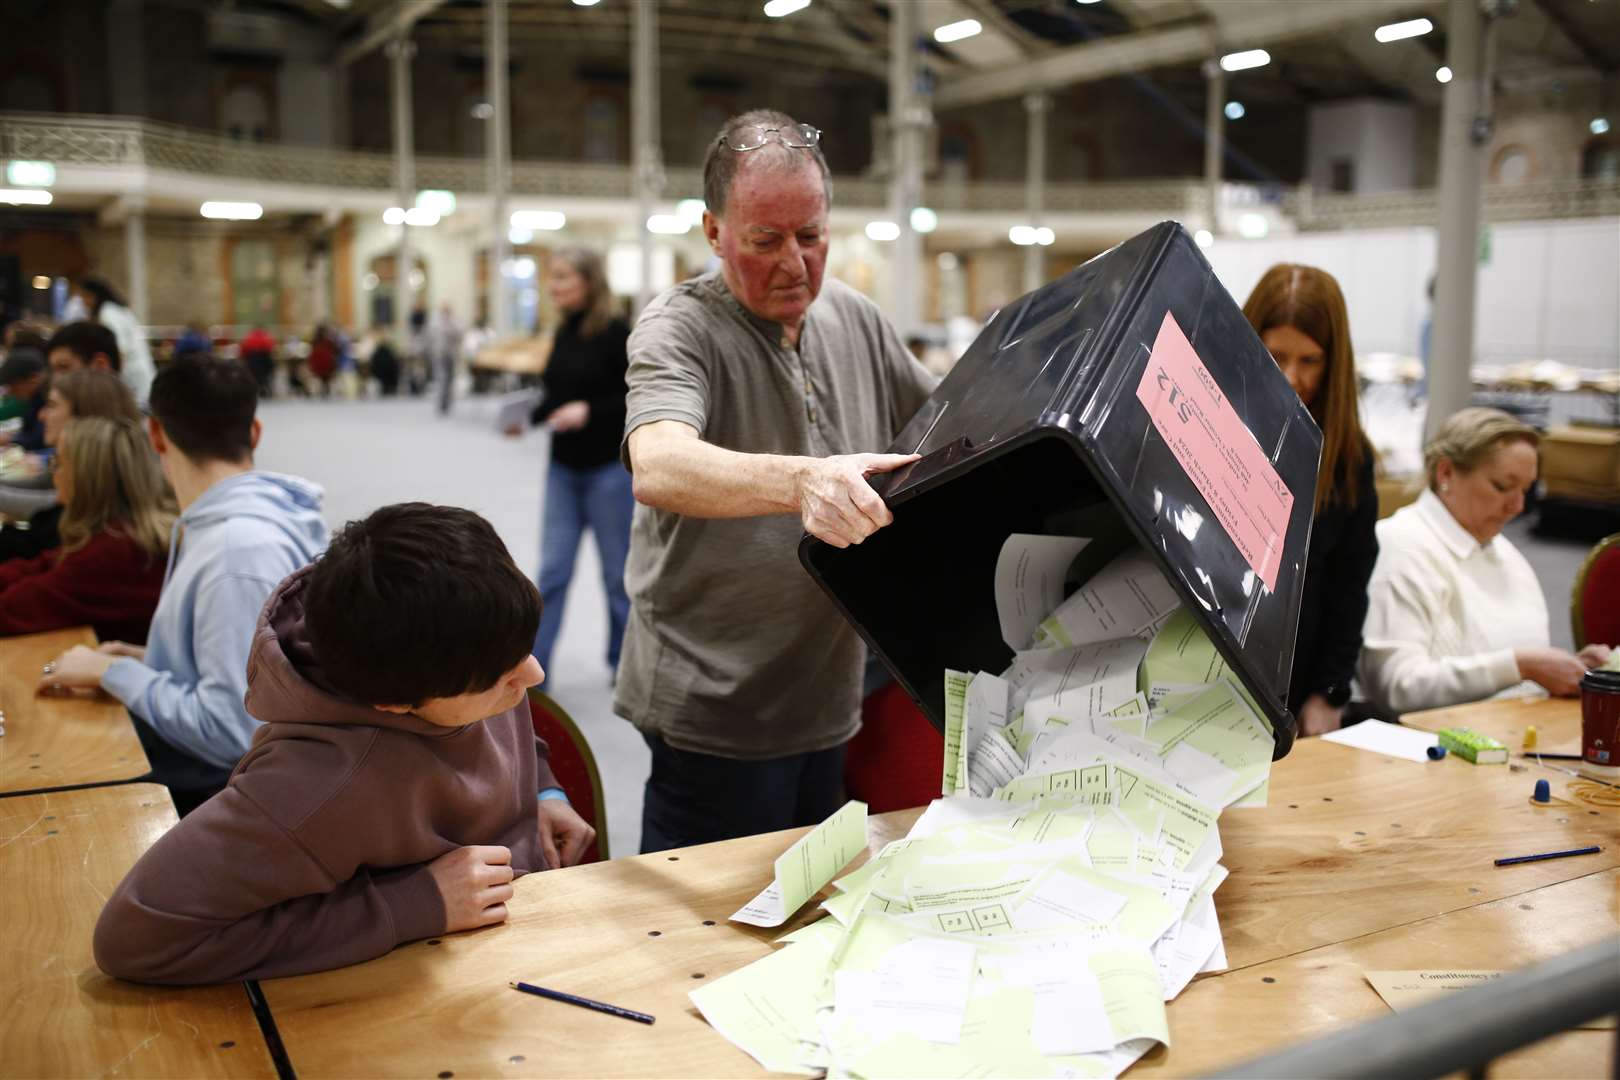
1299	313
586	486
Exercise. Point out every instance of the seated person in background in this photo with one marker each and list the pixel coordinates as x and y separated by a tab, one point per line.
1299	313
78	394
258	352
1455	613
396	787
83	345
115	539
18	336
23	378
240	532
194	339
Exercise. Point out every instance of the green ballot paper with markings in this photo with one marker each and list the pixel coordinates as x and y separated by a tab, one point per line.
809	864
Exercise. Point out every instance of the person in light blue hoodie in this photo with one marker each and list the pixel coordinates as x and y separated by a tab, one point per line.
240	532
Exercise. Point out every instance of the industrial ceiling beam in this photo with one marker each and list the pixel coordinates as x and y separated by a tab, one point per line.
1126	53
384	26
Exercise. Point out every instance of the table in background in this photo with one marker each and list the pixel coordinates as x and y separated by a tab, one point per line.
56	742
61	854
1359	860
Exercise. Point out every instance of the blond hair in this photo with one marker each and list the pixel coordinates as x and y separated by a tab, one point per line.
1469	438
117	485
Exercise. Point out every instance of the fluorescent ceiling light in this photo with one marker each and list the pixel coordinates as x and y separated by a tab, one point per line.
586	3
1599	125
882	231
1402	30
1023	235
924	220
1242	61
30	173
669	225
25	197
1235	110
778	8
538	220
1442	74
1087	1
1203	238
1045	237
691	209
1254	226
956	31
519	236
232	211
437	201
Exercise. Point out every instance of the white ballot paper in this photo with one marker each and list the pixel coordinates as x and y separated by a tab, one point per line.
1406	743
1029	582
809	864
1124	598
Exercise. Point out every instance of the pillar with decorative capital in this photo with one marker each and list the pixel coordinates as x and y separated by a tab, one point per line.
135	256
1214	140
1464	133
644	128
1036	107
400	51
908	120
497	152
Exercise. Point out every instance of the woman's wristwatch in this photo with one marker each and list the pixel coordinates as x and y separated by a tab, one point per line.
1337	694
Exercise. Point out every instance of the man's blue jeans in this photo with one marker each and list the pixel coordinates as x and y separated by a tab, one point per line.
598	499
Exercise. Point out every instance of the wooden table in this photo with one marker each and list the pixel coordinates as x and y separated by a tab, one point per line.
1359	860
56	742
61	854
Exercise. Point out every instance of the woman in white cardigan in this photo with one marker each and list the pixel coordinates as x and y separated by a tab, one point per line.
1455	613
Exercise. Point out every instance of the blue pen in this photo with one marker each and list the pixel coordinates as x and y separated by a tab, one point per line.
1549	855
583	1002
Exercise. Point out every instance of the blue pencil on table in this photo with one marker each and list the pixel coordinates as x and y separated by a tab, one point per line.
583	1002
1549	855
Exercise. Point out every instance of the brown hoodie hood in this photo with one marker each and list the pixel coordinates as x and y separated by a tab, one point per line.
315	856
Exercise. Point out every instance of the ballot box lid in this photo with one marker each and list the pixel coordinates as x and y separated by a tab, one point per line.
1130	402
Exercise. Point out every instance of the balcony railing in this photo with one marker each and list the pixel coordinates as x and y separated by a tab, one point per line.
80	140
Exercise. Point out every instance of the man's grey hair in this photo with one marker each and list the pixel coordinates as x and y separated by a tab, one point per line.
721	162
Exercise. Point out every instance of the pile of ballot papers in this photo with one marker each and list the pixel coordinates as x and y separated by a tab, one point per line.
1039	915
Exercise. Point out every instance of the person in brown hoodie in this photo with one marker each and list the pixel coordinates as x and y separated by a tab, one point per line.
396	786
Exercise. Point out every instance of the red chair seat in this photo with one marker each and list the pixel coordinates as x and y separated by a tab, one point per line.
896	760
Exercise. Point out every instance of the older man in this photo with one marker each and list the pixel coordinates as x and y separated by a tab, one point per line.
756	395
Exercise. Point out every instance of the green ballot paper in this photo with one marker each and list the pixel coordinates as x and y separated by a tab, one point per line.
809	864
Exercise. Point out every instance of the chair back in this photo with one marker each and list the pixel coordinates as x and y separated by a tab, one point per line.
1594	604
575	766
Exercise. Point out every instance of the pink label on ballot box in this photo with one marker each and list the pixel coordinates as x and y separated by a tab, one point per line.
1218	453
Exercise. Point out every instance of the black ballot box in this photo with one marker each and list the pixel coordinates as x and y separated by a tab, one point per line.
1128	402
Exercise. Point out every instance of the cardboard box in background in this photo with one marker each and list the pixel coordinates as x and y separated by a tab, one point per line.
1395	492
1581	462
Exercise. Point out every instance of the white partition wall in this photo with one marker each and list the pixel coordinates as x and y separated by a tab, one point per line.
1548	289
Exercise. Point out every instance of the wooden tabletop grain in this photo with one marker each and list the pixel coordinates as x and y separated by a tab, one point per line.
54	742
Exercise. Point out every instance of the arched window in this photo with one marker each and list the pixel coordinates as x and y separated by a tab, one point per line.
1513	165
245	113
604	124
1600	159
27	91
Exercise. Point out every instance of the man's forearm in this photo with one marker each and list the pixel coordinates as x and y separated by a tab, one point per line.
685	475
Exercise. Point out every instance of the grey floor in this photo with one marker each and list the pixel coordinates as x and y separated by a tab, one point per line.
371	453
